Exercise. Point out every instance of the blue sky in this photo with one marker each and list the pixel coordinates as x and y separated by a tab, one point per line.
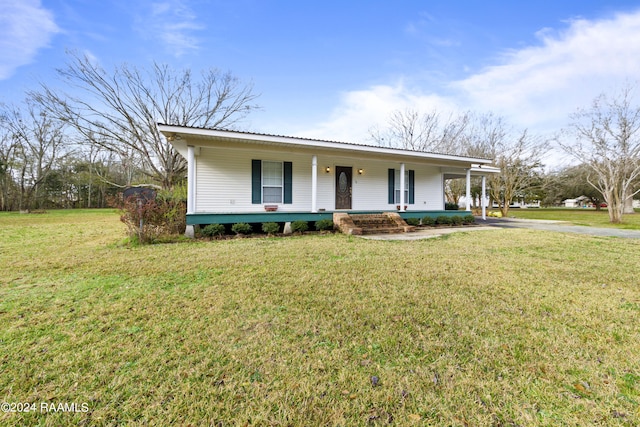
332	69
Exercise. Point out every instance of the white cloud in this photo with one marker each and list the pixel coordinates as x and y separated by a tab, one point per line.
174	23
25	28
535	87
359	110
539	86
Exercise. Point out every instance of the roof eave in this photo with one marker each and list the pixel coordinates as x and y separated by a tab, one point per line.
174	130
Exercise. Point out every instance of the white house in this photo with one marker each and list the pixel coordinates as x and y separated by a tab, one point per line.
249	177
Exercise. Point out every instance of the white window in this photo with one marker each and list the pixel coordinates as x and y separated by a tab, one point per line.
397	186
272	182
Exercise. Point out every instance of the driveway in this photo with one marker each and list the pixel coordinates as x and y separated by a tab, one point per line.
493	223
561	226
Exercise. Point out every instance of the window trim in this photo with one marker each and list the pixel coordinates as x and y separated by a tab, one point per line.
257	188
263	186
394	184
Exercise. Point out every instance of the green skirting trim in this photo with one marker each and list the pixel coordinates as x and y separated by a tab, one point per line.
258	217
432	214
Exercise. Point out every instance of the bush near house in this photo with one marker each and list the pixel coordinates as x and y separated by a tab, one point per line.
427	220
299	226
241	228
152	220
212	230
444	220
456	220
451	206
324	225
468	219
270	227
412	221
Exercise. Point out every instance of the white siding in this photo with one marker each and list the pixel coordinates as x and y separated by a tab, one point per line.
223	181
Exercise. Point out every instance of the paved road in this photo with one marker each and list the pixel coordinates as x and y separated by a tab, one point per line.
560	226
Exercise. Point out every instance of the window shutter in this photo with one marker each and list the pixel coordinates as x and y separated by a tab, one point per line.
288	183
412	187
392	186
256	182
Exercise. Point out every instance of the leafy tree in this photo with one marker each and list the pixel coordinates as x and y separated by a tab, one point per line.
571	182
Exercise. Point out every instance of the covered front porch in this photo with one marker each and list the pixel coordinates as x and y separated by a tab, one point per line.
475	171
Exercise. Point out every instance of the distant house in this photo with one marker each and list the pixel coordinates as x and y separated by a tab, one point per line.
578	202
249	177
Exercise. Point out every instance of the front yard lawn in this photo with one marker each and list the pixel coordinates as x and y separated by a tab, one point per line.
504	327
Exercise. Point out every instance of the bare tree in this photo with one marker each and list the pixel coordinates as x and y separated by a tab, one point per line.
476	135
37	145
411	130
607	138
120	110
517	154
7	146
484	134
519	160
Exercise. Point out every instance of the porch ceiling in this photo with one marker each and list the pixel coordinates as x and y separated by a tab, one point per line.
478	170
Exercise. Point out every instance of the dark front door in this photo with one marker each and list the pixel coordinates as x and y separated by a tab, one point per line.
343	187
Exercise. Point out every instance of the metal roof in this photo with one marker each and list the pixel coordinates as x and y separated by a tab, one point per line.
177	130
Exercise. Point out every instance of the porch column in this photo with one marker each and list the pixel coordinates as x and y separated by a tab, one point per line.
402	184
191	179
191	188
468	195
314	184
483	202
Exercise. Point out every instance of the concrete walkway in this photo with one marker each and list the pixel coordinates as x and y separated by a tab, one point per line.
493	223
426	233
561	226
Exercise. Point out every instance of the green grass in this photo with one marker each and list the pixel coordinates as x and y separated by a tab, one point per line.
577	216
504	327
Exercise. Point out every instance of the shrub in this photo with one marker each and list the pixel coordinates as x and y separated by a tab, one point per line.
241	228
324	225
213	230
412	221
451	206
443	220
299	226
147	221
456	220
469	219
270	227
427	220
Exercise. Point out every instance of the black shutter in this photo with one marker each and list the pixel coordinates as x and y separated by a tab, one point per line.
288	181
412	187
392	186
256	182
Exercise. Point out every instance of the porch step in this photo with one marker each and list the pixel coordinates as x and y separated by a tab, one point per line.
384	223
382	230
